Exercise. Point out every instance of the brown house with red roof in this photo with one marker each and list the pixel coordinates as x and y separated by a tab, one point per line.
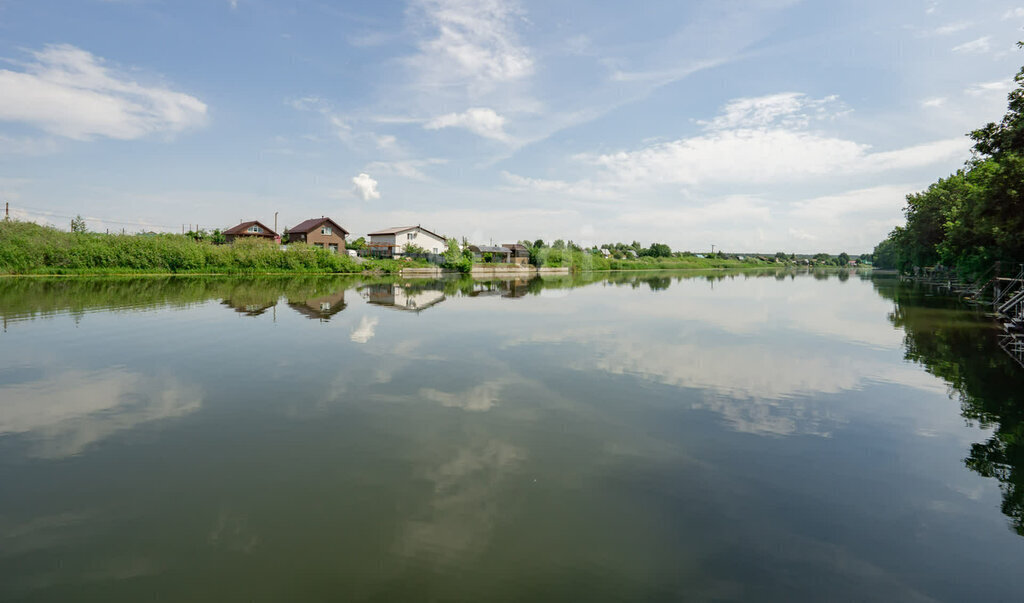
322	232
251	229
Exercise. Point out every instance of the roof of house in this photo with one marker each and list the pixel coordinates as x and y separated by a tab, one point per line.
516	247
241	228
312	223
401	229
489	249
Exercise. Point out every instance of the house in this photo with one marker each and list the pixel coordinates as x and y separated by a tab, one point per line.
491	254
520	254
391	242
606	253
253	229
320	232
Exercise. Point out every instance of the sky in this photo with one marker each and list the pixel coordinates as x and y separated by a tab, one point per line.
756	125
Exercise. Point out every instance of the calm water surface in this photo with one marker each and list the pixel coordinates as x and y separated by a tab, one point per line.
628	437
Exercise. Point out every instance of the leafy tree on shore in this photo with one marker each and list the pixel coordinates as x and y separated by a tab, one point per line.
78	224
975	216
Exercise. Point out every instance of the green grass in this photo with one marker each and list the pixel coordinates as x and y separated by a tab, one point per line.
28	248
580	260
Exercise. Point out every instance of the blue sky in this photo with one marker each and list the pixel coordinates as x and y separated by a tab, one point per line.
756	125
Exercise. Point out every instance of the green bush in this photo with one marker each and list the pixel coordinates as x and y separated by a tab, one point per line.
27	248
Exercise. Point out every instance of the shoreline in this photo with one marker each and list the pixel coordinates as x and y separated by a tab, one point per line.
398	274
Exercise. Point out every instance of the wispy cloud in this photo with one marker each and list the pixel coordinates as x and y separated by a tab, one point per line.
479	120
406	168
473	43
69	92
981	45
999	87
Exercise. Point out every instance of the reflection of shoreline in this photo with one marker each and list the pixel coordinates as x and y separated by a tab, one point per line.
961	349
45	297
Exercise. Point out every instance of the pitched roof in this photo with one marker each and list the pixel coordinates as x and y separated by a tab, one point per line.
241	228
401	229
490	249
312	223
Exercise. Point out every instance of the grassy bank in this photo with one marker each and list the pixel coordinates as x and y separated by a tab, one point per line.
579	260
28	248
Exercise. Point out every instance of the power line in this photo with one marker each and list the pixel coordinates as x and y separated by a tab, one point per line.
52	214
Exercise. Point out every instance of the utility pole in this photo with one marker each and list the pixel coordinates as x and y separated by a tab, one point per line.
275	221
712	249
7	210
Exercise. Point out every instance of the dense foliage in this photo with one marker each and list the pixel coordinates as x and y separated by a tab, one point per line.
28	248
974	217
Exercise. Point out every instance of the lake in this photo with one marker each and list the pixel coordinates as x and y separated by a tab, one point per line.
632	436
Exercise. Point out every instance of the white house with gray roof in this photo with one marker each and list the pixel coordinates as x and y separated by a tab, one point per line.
391	242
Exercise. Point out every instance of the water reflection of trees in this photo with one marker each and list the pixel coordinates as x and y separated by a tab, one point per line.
961	347
315	296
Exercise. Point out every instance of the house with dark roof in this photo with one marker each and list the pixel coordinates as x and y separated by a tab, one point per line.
253	229
520	254
491	253
391	242
321	232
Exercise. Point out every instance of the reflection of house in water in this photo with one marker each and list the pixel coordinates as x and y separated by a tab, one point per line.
503	288
403	297
250	306
320	308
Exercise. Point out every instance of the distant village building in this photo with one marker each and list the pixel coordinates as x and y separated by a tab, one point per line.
320	232
391	242
253	229
490	253
520	254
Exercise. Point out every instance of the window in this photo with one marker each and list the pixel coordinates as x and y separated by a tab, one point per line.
410	236
333	248
255	228
326	230
435	250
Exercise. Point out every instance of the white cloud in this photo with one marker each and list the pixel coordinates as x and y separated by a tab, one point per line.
763	156
934	102
478	120
407	168
69	92
789	109
801	235
999	87
1014	13
365	330
474	43
342	126
983	44
365	187
949	28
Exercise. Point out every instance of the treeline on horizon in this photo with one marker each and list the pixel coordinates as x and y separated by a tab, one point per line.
973	218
